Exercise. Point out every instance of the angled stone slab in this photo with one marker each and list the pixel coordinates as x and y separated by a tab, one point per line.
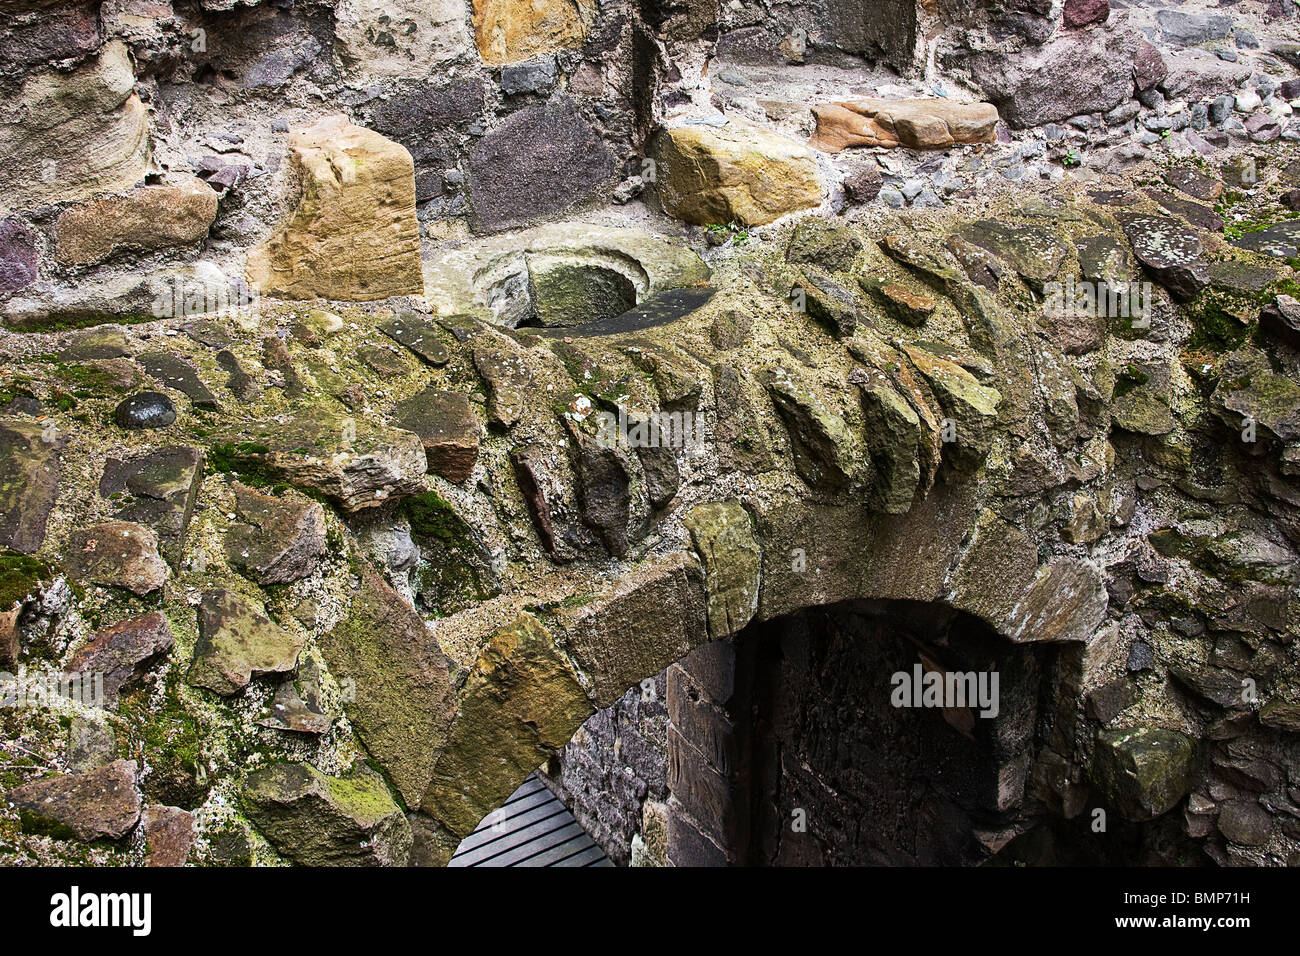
519	705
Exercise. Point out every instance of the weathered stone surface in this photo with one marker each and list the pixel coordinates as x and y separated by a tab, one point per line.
1281	715
916	124
893	435
169	835
403	701
19	258
171	371
862	182
402	38
723	537
123	652
972	407
418	335
1194	183
569	293
824	244
1090	72
603	482
280	539
1280	240
157	489
1189	29
1197	74
1250	390
83	133
145	219
520	704
29	482
533	475
834	306
996	551
540	161
103	803
37	31
1067	602
909	307
1211	684
1082	13
819	440
1112	699
448	429
735	173
511	31
619	636
1193	213
116	554
1245	822
1143	408
353	234
296	705
1169	250
238	642
874	352
354	462
812	555
1032	252
508	379
319	820
1144	771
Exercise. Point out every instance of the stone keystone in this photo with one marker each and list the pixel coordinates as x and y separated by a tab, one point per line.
723	536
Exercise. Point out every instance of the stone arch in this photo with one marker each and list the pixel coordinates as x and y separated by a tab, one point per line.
547	663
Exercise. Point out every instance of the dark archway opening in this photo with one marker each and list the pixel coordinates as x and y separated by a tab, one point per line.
826	757
784	746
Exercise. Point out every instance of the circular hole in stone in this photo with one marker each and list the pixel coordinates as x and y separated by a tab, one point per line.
568	294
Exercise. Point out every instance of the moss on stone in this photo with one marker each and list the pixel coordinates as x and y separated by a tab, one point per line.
20	575
431	516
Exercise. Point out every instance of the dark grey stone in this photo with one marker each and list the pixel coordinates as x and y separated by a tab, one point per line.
542	161
145	410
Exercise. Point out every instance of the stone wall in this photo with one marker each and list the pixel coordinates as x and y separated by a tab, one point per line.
613	774
304	442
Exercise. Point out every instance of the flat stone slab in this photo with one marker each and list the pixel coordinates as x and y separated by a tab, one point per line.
238	642
157	489
123	652
660	309
319	820
420	336
29	482
116	554
280	539
448	428
1280	240
103	803
355	462
173	372
1170	251
736	172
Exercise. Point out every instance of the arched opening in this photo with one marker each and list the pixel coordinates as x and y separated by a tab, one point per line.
802	741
